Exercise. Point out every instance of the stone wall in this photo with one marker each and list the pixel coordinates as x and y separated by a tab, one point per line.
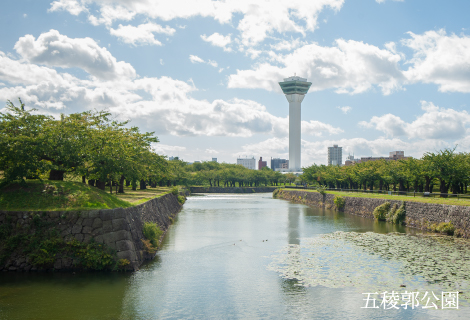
119	229
231	189
418	214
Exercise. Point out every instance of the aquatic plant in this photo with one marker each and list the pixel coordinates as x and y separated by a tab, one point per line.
380	213
339	202
378	262
443	227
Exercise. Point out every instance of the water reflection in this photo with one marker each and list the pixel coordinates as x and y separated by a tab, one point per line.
293	216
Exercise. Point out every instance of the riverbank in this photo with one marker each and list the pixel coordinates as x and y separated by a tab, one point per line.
106	239
231	189
420	215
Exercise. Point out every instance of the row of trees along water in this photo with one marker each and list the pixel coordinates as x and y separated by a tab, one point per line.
445	170
103	151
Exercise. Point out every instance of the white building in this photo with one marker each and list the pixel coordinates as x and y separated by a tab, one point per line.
335	155
249	163
295	88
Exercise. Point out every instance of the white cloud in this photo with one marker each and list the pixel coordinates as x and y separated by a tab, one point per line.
74	7
165	149
161	62
212	151
434	123
142	34
258	19
218	40
288	45
345	109
440	59
350	67
195	59
56	50
382	1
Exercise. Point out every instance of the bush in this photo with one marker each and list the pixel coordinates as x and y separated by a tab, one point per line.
181	199
275	192
443	227
339	202
175	191
152	232
380	213
400	214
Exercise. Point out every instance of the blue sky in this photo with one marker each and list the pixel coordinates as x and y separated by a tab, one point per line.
387	75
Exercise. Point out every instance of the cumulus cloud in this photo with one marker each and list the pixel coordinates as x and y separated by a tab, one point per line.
434	123
218	40
258	20
288	45
149	102
54	49
350	67
142	34
440	59
345	109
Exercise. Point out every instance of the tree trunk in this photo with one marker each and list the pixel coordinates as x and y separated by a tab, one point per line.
121	184
91	182
56	175
110	186
426	185
443	189
83	179
143	186
100	184
128	182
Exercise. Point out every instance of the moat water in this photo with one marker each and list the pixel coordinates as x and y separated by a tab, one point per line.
230	256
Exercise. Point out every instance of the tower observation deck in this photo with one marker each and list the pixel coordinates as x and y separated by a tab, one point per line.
295	88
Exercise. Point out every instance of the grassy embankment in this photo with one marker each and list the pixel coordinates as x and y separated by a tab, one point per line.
49	195
447	201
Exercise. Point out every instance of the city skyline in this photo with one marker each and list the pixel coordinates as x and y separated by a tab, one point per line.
386	75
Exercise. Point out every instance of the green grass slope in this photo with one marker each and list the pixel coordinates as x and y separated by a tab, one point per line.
49	195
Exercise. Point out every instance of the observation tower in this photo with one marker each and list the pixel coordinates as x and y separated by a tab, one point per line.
295	88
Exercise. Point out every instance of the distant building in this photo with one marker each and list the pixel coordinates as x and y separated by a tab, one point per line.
277	163
351	160
214	159
261	163
249	163
394	155
335	155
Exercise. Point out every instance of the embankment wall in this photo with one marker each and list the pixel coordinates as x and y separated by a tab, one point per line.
119	229
231	190
418	214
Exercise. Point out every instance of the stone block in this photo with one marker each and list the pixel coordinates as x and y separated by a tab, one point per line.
86	230
97	223
66	262
99	239
87	238
116	236
66	232
124	245
94	214
87	222
129	255
97	232
120	224
77	228
53	215
107	226
119	213
79	237
106	214
79	221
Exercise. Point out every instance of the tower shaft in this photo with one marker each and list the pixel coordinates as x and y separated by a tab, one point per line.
295	101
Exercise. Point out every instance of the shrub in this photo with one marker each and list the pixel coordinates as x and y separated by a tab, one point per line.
181	199
148	247
380	213
175	191
122	263
275	193
400	214
152	232
444	227
339	202
391	212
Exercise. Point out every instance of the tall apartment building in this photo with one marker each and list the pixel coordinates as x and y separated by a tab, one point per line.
277	163
261	163
249	163
394	155
335	155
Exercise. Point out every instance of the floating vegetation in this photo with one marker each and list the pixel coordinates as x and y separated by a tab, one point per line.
376	262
